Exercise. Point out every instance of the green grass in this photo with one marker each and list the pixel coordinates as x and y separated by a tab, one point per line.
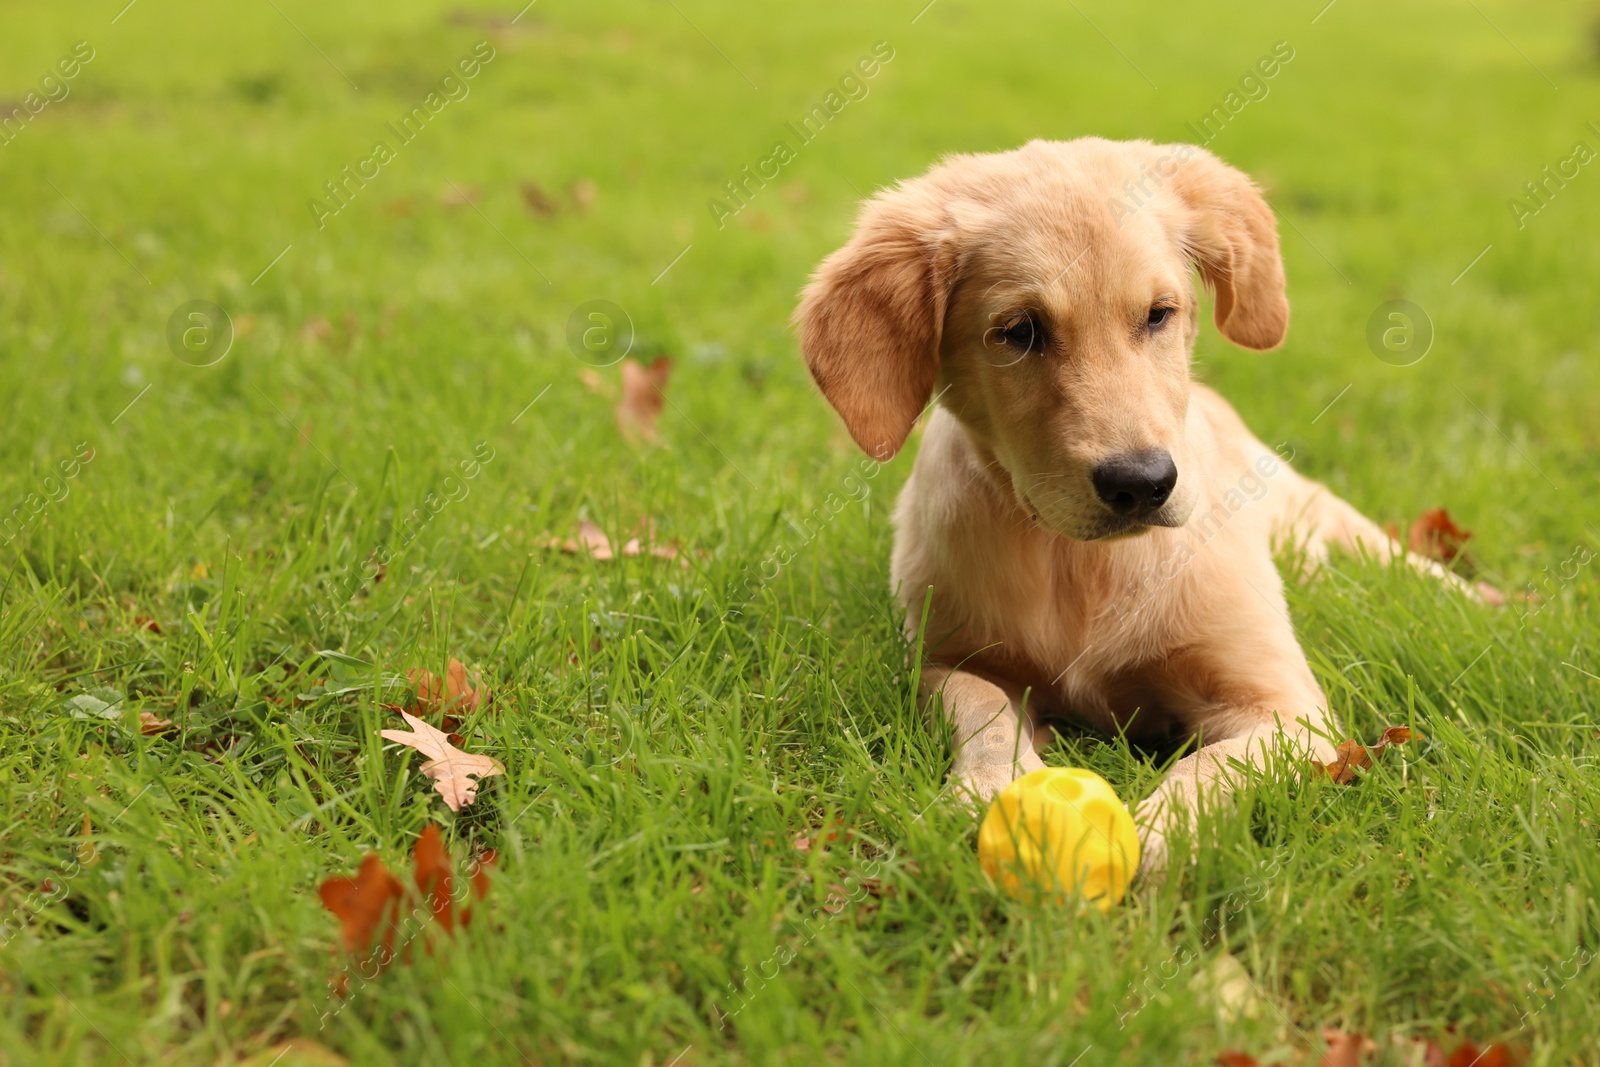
668	730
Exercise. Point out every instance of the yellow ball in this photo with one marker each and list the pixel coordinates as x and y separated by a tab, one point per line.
1058	832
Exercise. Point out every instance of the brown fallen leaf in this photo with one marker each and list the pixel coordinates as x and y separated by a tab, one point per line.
1435	535
1344	1050
1496	1055
537	201
453	695
593	541
1234	1058
363	905
1355	1050
479	878
593	382
1352	755
149	724
584	194
372	901
1349	757
433	875
144	622
453	771
644	393
834	831
1392	735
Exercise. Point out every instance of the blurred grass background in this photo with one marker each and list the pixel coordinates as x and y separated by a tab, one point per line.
665	738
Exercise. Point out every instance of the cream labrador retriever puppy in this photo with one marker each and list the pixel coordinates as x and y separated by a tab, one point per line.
1089	531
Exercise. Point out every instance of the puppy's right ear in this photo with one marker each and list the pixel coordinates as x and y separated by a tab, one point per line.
871	318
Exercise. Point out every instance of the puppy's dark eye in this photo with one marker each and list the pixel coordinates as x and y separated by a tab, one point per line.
1019	331
1159	316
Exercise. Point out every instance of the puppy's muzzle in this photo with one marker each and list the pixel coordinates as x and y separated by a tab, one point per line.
1135	485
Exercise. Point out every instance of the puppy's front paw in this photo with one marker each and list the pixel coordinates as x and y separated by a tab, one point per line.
984	781
991	761
1153	818
1152	855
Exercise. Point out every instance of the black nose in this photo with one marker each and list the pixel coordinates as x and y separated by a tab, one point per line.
1136	484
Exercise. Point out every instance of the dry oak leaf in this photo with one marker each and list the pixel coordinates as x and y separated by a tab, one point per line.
452	695
590	539
150	724
453	771
644	393
1352	755
593	540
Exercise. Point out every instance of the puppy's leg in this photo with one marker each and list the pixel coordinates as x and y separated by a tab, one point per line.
993	735
1317	520
1246	690
1209	775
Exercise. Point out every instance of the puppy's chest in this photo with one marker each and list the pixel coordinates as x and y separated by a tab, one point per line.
1080	616
1111	615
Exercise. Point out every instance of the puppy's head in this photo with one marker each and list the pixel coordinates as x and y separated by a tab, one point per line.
1045	296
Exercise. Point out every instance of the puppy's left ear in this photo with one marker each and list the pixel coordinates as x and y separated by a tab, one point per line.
871	318
1232	236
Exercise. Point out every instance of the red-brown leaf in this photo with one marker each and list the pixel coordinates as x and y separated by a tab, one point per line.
834	831
361	904
1470	1055
1436	536
373	900
1352	755
432	864
643	396
480	872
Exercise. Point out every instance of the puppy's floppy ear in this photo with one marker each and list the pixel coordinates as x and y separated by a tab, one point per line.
1232	236
871	318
